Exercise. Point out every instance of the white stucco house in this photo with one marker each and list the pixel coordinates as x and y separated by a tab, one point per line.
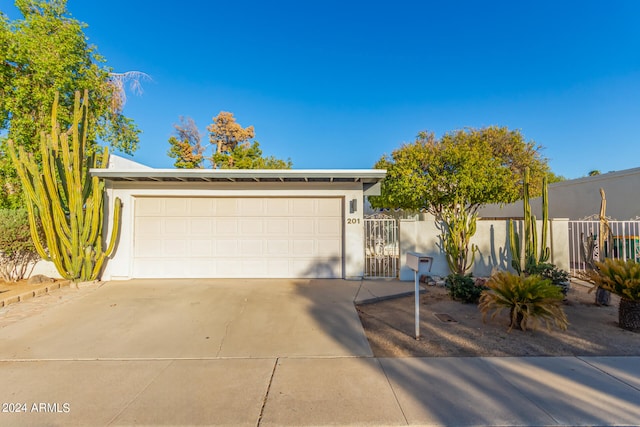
203	223
579	198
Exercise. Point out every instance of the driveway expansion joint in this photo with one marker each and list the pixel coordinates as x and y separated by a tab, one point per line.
266	395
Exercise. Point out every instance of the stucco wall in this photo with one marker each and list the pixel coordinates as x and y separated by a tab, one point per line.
491	238
579	198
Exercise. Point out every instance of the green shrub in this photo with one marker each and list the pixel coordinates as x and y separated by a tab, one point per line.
528	299
463	288
617	276
549	271
623	279
17	252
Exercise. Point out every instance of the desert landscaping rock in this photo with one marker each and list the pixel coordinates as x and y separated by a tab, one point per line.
593	330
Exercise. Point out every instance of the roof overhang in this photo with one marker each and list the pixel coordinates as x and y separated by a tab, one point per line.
365	176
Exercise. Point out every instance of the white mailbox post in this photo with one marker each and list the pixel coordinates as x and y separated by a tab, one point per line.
420	264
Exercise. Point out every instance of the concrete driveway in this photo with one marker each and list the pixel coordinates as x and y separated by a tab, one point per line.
188	319
271	353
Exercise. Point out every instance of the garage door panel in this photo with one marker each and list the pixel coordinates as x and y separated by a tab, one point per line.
252	226
318	268
202	207
277	247
175	226
201	248
201	226
226	227
149	207
303	226
226	207
227	248
251	248
228	267
258	266
176	206
238	237
279	226
174	247
149	248
303	207
276	266
328	248
200	267
330	226
149	225
251	207
329	207
303	247
277	208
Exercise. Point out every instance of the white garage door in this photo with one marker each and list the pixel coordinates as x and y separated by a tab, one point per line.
237	237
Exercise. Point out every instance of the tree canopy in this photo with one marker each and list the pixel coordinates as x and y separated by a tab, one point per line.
453	176
231	146
469	167
47	52
185	146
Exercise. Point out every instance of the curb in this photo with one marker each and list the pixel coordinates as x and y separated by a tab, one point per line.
388	297
12	299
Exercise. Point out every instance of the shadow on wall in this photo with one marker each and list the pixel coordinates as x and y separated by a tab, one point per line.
495	257
491	239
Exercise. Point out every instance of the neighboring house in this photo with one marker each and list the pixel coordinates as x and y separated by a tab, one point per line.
579	198
237	223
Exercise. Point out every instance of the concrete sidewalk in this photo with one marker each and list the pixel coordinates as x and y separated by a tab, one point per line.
326	381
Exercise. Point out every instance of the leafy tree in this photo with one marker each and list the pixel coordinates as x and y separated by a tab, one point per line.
185	145
247	156
516	154
552	177
18	254
454	176
44	53
594	172
233	149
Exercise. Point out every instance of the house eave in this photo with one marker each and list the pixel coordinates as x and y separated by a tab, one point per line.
368	176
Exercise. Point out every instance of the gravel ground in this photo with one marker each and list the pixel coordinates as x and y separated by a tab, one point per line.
593	330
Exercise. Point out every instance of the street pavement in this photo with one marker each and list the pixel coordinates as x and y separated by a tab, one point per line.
272	353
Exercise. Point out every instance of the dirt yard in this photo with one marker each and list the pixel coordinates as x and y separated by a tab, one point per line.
593	330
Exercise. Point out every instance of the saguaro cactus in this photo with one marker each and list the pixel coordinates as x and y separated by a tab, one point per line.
530	232
68	201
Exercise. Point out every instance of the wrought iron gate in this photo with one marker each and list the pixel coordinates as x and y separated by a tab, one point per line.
381	250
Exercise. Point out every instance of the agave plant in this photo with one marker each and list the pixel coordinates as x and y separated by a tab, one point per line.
623	279
528	299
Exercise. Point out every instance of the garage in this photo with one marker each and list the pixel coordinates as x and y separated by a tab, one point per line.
204	223
248	237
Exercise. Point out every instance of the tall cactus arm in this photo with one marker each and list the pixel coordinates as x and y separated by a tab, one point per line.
514	243
115	232
33	229
67	200
545	251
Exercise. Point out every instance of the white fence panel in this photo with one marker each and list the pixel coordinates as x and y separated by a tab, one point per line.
623	241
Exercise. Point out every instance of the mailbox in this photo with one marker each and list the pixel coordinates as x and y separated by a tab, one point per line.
420	263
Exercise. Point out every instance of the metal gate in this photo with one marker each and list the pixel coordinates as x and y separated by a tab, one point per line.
381	250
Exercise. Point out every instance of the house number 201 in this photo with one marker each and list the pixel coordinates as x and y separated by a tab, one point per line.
353	220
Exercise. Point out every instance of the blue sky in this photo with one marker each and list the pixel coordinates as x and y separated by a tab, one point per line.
336	84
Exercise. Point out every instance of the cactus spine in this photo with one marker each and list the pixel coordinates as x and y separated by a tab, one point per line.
530	237
66	199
